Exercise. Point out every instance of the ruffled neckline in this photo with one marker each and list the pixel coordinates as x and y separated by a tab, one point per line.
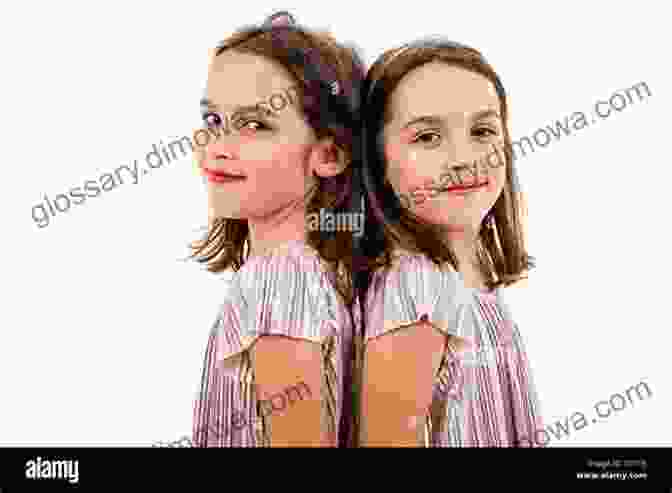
485	294
286	245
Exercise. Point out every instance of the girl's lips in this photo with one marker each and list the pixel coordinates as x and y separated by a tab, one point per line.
221	177
470	188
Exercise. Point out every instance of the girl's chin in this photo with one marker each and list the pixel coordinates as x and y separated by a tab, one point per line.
452	224
457	232
225	213
457	228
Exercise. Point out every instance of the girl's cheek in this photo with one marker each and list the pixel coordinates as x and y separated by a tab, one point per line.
399	156
394	161
433	192
392	151
402	168
247	133
496	183
419	196
429	183
269	158
408	179
396	145
423	193
408	171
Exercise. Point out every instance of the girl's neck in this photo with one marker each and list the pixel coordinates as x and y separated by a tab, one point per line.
282	226
464	245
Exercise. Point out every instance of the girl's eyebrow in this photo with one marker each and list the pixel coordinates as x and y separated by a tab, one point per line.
427	119
437	120
485	114
238	110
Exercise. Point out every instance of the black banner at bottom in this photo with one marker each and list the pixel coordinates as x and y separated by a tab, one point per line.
59	469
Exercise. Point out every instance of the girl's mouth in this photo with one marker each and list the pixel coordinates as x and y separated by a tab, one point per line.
462	190
216	176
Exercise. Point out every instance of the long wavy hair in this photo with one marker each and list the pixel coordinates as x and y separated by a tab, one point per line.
503	259
315	60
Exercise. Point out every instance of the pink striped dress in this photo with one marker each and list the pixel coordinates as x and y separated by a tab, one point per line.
486	394
288	292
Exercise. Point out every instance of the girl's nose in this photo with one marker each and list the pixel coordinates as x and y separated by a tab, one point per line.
221	152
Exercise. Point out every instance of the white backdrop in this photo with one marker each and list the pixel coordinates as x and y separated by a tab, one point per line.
103	329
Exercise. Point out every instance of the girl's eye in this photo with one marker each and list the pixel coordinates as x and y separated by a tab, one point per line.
427	138
485	132
212	119
253	125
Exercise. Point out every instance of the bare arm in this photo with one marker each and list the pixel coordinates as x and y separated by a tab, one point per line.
413	311
280	364
399	372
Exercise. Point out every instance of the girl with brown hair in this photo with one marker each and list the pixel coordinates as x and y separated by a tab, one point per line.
443	363
285	319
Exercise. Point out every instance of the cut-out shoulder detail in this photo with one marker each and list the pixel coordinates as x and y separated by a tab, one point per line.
283	292
287	292
412	290
484	397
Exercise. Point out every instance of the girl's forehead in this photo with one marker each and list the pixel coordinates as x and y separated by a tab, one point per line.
439	89
236	79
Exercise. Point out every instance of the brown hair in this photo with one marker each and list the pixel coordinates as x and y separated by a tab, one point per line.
501	252
329	115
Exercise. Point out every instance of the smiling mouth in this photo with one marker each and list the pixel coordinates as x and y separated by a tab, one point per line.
221	176
465	189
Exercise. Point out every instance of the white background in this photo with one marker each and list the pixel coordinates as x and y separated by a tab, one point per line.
103	329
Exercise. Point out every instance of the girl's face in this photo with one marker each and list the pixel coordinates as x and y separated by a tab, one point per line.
267	148
445	135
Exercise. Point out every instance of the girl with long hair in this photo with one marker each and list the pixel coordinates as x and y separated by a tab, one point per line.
443	363
282	101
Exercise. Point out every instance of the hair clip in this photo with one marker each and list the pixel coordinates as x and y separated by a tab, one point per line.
309	58
282	18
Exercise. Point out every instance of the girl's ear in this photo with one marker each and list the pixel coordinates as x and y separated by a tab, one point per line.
327	159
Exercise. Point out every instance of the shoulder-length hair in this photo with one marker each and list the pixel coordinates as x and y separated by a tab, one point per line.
316	61
501	251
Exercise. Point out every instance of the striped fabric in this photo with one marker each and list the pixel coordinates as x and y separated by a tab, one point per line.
286	291
485	396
